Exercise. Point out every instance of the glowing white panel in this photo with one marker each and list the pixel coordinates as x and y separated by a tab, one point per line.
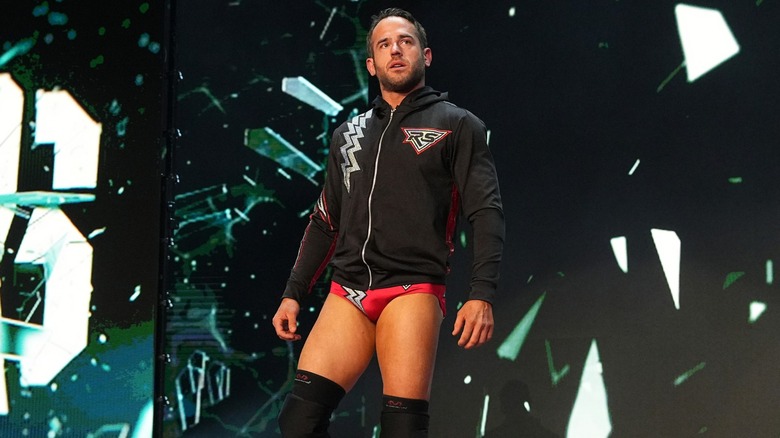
306	92
706	39
634	167
770	272
3	389
590	415
53	241
11	110
485	406
620	249
757	308
61	121
668	246
144	425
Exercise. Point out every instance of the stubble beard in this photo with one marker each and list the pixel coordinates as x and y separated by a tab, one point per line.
403	84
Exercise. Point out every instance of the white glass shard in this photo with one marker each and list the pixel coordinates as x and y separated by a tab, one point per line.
620	249
757	308
11	112
590	414
270	144
4	409
706	39
63	123
634	167
306	92
667	243
485	406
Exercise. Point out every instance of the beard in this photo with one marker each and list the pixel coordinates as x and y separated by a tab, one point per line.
403	83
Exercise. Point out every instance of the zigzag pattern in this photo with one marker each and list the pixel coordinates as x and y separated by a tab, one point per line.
355	296
352	136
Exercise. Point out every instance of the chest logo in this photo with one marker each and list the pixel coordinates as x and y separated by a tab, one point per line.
422	139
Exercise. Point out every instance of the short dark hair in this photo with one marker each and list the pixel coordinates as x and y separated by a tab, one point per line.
395	12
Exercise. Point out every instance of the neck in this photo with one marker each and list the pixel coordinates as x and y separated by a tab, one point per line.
394	98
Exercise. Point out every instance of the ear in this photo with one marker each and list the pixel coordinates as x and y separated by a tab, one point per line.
370	66
428	56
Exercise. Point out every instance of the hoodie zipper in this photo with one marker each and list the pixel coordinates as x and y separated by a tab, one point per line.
370	196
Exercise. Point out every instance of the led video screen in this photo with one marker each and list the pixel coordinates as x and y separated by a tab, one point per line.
80	151
637	155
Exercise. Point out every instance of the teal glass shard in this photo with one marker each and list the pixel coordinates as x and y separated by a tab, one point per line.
510	348
687	375
306	92
271	145
43	199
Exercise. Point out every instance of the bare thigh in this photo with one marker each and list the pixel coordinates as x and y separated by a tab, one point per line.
407	335
341	343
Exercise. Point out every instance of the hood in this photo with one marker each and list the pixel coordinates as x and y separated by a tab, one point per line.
418	98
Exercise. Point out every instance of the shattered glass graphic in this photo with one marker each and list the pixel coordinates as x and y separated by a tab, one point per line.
637	295
79	144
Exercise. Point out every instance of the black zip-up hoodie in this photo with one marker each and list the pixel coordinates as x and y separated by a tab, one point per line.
396	181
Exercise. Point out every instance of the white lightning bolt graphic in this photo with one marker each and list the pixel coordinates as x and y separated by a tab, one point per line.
355	296
352	136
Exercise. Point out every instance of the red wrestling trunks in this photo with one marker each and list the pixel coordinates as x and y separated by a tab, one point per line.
371	302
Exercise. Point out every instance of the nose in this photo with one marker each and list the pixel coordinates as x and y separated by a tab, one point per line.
395	48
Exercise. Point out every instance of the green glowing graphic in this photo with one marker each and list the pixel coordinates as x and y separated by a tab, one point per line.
98	60
306	92
590	416
687	375
731	278
555	375
269	144
511	346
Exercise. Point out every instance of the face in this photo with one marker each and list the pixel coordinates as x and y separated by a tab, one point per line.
398	60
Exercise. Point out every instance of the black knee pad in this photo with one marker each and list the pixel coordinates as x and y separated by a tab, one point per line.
404	418
306	411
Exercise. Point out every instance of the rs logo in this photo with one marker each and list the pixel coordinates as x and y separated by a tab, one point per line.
423	138
51	246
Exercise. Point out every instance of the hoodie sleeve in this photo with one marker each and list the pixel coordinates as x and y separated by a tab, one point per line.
319	238
475	176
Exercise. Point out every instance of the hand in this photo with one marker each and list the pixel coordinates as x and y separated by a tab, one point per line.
286	320
475	319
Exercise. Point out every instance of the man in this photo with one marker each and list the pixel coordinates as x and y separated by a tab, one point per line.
397	177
